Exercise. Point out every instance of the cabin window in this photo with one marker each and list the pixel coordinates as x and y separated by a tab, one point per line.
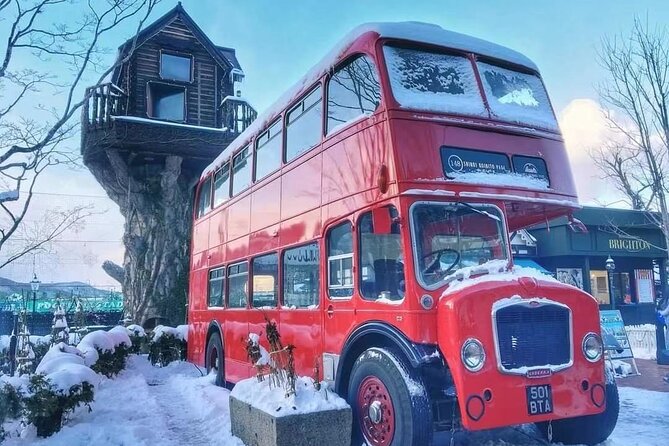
204	198
238	285
265	280
304	125
241	171
301	267
177	68
268	150
216	287
381	258
340	261
222	185
167	102
353	92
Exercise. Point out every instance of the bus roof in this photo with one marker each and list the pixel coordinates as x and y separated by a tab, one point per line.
412	31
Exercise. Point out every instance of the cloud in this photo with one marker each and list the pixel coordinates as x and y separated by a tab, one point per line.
584	127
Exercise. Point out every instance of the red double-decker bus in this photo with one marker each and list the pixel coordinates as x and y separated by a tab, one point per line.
368	214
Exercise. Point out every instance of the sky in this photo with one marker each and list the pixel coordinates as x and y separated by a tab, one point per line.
277	41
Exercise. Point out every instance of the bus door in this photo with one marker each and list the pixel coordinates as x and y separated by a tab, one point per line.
300	313
339	310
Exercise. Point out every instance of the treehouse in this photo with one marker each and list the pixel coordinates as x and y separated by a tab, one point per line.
174	92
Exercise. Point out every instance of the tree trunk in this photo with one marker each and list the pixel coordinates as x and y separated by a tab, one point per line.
155	200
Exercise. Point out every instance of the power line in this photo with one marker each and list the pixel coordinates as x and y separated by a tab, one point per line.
57	194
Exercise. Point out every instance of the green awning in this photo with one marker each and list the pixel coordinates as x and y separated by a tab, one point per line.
529	263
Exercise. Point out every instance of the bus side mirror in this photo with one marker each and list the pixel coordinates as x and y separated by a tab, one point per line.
381	220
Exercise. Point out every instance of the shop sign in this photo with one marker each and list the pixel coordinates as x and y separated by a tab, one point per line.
629	244
614	336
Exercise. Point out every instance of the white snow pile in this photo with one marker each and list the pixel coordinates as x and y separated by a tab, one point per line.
180	332
94	341
65	367
4	342
501	179
136	330
491	271
273	401
264	359
621	368
120	336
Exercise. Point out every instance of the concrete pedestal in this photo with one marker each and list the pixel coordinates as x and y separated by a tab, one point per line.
258	428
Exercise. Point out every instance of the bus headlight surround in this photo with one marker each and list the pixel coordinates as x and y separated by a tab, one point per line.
592	347
472	355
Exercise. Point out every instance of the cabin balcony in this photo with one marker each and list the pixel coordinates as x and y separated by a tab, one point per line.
107	123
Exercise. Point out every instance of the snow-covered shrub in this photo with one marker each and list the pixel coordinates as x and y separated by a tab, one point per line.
105	352
10	405
168	344
48	403
137	337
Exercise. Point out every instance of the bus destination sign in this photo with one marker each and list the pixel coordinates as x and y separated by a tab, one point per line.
456	161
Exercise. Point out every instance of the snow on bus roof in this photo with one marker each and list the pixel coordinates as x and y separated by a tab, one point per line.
413	31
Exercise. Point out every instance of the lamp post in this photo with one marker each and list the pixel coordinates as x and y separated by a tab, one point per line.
610	267
34	285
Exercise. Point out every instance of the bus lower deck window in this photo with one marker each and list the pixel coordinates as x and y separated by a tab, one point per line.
238	285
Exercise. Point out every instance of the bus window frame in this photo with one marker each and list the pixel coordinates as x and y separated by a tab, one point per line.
326	92
207	209
232	170
213	185
282	265
256	146
352	256
300	103
222	279
227	288
277	284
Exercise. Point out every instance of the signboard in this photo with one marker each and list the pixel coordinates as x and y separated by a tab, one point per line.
530	166
111	304
644	285
614	335
457	161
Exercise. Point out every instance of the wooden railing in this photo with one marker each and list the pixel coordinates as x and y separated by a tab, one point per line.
104	101
237	114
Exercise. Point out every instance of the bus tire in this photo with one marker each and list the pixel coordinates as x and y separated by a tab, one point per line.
588	429
214	358
390	404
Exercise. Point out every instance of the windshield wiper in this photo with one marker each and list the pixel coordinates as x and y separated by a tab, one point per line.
479	211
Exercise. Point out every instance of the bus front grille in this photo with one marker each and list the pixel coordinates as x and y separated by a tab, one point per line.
533	334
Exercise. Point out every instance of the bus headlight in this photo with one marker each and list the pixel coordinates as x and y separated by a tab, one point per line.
472	355
592	347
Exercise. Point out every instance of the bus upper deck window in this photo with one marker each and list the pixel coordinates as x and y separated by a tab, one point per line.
204	198
353	91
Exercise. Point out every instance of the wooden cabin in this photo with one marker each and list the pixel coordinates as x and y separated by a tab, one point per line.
175	92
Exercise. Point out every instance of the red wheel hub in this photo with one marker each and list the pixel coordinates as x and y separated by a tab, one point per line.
376	414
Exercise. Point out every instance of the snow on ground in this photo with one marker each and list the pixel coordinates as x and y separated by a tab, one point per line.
176	405
147	405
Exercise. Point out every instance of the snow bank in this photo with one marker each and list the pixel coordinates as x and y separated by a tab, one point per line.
136	330
94	341
65	367
491	271
180	332
273	400
119	335
37	340
4	342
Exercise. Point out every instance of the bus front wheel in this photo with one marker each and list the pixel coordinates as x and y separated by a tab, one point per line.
214	358
390	404
588	429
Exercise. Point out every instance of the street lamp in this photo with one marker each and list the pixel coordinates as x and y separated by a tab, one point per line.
34	285
610	267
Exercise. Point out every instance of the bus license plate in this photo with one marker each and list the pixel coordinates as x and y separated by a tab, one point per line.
539	399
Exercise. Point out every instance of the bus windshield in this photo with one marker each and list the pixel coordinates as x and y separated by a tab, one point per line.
450	236
446	83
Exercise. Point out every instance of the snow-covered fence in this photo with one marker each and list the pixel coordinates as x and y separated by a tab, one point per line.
642	340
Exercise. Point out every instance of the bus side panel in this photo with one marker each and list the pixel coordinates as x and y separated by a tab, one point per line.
235	333
239	218
266	205
301	188
302	328
304	228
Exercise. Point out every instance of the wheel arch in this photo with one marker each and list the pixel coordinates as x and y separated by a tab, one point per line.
380	334
214	327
